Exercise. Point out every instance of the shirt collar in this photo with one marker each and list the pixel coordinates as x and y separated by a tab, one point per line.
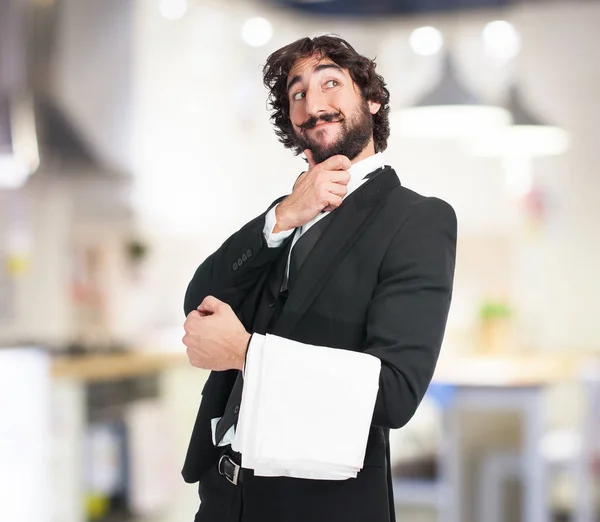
358	171
363	167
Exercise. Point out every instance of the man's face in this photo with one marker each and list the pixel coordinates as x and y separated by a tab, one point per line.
328	112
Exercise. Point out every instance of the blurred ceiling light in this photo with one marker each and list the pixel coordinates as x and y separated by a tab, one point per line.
257	31
526	137
173	9
19	155
448	111
519	143
501	40
426	41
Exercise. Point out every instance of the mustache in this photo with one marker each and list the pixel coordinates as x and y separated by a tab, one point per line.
324	118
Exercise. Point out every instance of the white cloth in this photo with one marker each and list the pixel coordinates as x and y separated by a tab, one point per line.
296	397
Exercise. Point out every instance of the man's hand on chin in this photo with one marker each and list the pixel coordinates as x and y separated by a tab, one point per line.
214	336
322	187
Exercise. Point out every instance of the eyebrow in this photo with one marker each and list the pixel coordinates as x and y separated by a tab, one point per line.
318	68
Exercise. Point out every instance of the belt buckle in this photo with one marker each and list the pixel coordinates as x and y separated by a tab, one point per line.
236	470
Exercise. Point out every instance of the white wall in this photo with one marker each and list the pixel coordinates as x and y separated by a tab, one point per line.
556	285
57	213
38	308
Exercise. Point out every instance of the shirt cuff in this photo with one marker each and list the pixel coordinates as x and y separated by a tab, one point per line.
255	339
274	240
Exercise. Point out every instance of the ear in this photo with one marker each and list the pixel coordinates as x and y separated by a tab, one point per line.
373	106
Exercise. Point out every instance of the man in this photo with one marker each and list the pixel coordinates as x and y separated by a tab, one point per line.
349	260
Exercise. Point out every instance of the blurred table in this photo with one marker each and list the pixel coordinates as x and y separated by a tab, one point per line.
507	383
101	367
507	370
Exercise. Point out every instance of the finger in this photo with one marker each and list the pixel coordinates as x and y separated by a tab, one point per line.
298	179
191	323
334	201
309	157
338	189
209	305
339	176
337	162
191	319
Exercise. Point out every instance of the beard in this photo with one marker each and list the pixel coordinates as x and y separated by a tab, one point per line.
354	135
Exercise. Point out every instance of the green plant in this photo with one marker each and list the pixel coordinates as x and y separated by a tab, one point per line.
136	250
494	309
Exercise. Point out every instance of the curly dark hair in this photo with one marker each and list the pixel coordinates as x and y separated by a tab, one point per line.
361	69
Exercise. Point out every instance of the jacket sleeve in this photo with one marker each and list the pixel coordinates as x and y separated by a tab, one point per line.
234	269
407	315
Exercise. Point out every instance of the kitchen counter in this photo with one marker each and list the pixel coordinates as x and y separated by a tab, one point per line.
102	367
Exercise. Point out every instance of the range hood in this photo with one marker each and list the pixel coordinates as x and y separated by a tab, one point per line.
35	132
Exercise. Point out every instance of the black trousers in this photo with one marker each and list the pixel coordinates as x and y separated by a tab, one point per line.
281	499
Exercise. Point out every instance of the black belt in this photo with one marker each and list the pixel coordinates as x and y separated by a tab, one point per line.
230	469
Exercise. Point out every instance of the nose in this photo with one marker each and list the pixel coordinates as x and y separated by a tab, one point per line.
316	103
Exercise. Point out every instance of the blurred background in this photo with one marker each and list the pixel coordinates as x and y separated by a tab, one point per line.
135	137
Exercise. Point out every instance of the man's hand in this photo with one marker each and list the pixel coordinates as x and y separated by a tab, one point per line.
215	337
321	187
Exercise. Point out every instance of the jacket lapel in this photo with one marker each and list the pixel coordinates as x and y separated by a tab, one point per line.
345	227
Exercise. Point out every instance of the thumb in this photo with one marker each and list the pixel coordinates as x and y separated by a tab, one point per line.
299	178
309	157
209	305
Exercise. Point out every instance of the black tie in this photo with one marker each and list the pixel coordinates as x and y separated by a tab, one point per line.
302	248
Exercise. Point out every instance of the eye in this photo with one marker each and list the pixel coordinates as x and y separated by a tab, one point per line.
298	96
332	83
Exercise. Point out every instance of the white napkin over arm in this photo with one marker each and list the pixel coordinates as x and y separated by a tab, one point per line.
297	399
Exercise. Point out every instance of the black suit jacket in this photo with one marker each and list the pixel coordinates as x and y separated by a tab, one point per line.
378	281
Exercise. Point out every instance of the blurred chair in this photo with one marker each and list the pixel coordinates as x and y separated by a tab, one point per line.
577	452
418	456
